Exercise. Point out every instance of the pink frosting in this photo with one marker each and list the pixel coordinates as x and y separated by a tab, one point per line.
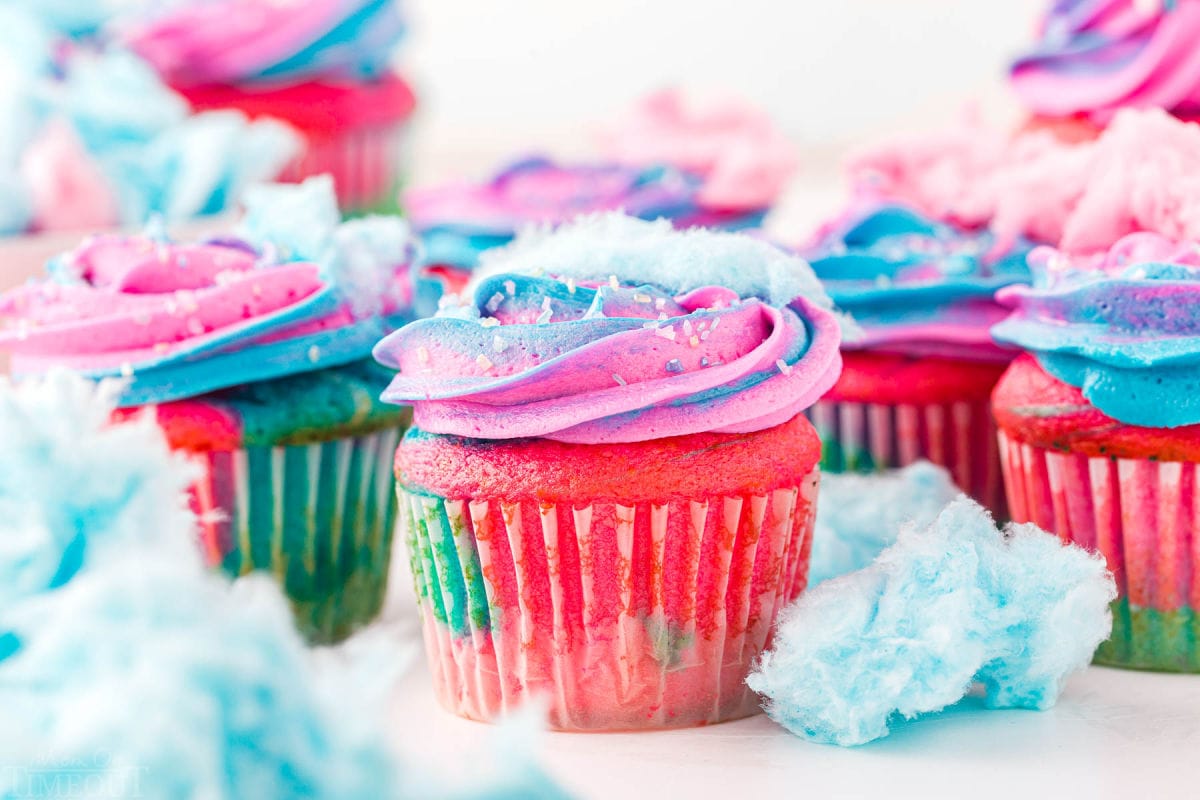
1141	174
744	158
68	190
1097	57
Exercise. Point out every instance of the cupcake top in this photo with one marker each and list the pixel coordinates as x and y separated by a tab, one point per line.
1141	174
92	138
915	285
613	329
297	291
743	159
458	222
200	42
1121	326
1098	56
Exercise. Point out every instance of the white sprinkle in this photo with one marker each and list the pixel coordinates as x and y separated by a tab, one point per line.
499	343
704	335
172	306
674	365
715	323
619	379
546	314
195	326
612	281
489	322
510	287
187	301
650	325
687	327
314	354
662	315
494	302
883	281
638	297
571	285
660	304
784	367
126	369
704	361
423	355
484	362
694	341
666	333
161	348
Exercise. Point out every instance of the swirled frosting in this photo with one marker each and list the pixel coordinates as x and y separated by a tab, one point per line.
195	43
627	337
743	158
1141	174
297	292
1122	326
915	285
1098	56
458	222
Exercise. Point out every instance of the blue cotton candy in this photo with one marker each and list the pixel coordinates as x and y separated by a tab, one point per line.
859	516
297	220
948	605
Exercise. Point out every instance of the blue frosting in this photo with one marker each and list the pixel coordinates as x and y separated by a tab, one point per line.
360	44
1126	334
947	605
892	268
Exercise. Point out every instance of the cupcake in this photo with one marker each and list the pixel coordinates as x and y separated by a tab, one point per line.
253	353
916	384
609	488
92	139
1100	429
323	67
1096	57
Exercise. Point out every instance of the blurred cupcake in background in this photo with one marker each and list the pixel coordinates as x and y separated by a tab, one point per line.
1096	57
916	383
609	489
324	67
720	166
253	353
1100	429
92	138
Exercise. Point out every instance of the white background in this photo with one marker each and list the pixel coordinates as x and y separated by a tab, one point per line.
499	76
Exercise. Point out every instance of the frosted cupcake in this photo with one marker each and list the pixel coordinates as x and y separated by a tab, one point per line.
1096	57
1100	429
916	384
323	67
609	489
253	355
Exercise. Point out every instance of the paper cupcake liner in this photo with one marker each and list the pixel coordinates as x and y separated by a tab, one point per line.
1143	516
865	437
614	617
366	164
319	517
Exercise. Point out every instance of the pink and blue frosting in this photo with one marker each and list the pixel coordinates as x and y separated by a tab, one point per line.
913	284
614	329
1122	326
296	291
261	42
1098	56
458	222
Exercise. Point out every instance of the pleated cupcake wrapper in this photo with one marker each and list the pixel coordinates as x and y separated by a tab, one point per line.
319	517
366	164
1144	517
661	633
865	437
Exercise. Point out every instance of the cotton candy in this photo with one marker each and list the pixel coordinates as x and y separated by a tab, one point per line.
948	605
858	516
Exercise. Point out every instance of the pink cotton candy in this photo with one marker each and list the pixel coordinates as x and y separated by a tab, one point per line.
744	158
67	189
1141	174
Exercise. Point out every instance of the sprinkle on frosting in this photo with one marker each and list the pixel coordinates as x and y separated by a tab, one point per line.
595	373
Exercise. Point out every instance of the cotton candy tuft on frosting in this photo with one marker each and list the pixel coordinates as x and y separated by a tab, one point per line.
859	516
949	605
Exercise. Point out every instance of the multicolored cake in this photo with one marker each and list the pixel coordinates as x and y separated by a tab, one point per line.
324	67
1100	430
609	487
252	352
916	384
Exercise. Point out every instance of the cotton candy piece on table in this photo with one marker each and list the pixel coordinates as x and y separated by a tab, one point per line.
299	220
946	606
859	516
